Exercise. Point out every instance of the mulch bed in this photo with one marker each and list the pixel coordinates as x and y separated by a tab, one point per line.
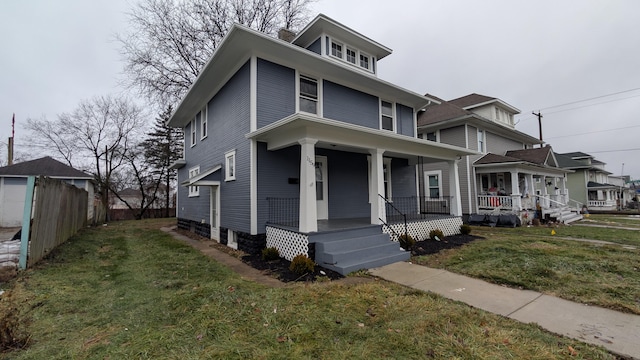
427	247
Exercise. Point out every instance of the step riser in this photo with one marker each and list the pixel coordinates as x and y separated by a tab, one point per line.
368	264
366	253
353	243
345	234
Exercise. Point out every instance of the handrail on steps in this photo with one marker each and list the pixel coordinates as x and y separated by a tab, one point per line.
558	202
387	202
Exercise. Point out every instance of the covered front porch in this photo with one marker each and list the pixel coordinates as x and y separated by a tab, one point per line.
603	197
347	171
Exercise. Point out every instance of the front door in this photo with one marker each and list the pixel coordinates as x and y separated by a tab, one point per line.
322	185
214	214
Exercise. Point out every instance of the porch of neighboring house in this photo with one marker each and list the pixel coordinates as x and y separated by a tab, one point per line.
602	197
525	194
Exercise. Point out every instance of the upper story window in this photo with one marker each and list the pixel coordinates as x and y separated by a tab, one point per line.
481	141
350	54
431	136
194	190
336	49
364	61
386	116
203	123
194	123
308	95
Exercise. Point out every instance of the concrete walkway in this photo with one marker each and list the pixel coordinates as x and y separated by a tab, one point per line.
617	332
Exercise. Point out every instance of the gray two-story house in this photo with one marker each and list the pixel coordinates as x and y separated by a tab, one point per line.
512	173
300	146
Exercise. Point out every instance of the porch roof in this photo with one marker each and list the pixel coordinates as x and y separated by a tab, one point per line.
498	163
199	179
592	185
337	135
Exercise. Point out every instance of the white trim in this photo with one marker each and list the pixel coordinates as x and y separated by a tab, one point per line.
471	174
204	122
253	185
230	163
201	175
343	57
253	97
322	206
214	231
427	193
194	190
318	99
481	143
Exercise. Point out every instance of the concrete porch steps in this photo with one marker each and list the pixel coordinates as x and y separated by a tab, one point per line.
565	214
349	250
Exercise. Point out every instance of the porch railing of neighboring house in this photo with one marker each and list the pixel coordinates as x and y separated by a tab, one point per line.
495	201
284	211
602	203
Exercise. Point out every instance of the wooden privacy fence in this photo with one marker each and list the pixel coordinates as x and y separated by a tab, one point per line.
59	211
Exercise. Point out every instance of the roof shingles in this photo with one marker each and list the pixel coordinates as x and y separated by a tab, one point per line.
45	166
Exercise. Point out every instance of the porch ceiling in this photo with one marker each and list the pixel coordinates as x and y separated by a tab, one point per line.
332	134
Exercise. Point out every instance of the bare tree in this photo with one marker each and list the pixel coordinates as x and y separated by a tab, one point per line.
95	137
170	41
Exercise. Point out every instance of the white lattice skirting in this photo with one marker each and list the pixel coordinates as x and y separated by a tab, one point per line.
288	243
419	230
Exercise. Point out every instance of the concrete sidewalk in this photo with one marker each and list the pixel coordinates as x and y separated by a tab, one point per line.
618	332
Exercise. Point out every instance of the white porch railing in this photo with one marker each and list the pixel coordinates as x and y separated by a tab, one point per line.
602	203
495	201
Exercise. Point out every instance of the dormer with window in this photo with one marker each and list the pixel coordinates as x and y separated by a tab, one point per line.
330	39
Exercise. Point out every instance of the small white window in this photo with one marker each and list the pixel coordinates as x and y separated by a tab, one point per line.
194	123
194	190
230	165
203	123
386	116
351	56
308	95
433	184
336	49
364	61
481	147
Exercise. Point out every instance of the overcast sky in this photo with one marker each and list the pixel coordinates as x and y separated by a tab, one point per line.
534	55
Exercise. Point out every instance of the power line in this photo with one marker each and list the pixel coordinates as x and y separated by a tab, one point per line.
593	98
608	151
599	103
593	132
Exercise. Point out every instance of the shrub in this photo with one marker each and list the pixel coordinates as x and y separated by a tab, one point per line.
406	241
301	265
436	232
465	229
270	253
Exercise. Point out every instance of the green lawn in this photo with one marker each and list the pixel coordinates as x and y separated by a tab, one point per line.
630	220
532	258
130	291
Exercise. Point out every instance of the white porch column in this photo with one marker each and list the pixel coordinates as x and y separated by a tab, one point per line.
308	210
515	192
377	187
454	188
565	191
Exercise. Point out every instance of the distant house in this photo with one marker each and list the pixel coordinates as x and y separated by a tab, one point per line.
133	197
13	184
299	145
592	185
511	172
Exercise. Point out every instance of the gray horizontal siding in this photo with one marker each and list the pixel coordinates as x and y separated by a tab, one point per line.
228	121
276	98
316	47
349	105
453	136
500	145
404	121
348	184
403	178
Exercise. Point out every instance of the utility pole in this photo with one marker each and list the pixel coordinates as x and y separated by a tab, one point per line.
539	115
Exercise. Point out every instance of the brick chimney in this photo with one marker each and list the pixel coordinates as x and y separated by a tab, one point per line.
286	35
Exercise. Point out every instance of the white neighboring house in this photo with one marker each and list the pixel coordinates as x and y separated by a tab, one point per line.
13	185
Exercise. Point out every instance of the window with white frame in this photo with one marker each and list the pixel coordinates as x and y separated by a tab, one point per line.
386	115
308	95
336	49
230	165
203	123
432	136
351	56
364	61
433	184
194	123
194	190
481	144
